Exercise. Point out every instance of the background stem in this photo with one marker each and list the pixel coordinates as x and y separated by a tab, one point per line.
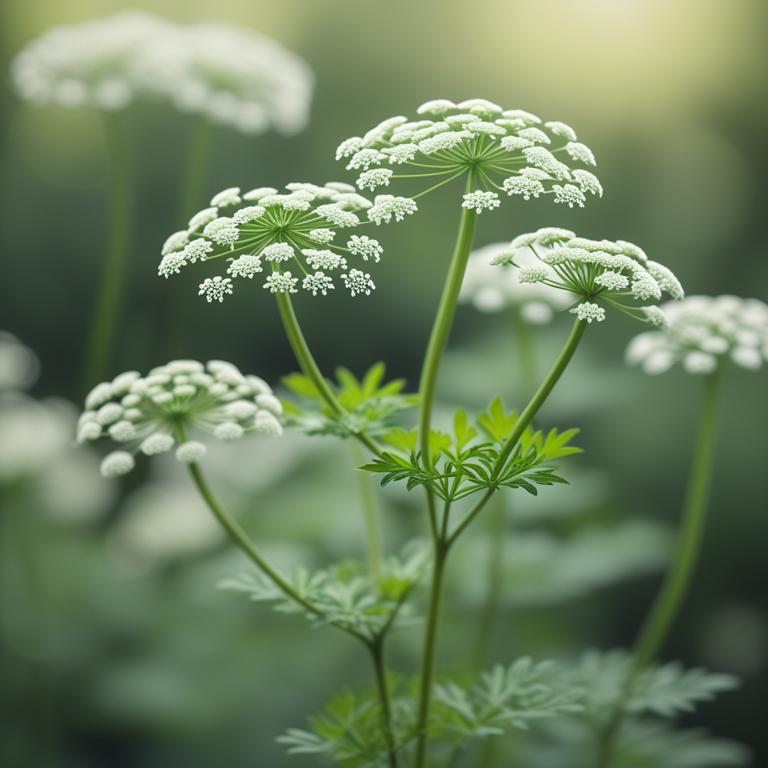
674	589
377	656
108	299
370	515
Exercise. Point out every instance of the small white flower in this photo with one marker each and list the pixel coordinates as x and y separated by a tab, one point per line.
175	242
222	231
278	252
266	424
228	430
523	185
515	143
386	207
117	463
534	136
196	250
109	413
321	235
699	362
215	288
156	443
435	107
402	153
481	201
358	282
589	311
324	259
248	214
201	218
246	265
226	198
587	182
319	282
367	247
533	274
581	153
349	147
269	402
544	160
281	282
569	195
171	264
337	216
256	194
190	452
376	177
120	431
364	159
613	281
561	129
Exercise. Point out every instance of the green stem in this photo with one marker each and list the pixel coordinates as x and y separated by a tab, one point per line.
443	321
310	368
241	538
109	296
428	662
526	417
674	589
377	657
371	516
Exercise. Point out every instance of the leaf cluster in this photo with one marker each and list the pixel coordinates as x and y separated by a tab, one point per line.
370	404
472	458
344	595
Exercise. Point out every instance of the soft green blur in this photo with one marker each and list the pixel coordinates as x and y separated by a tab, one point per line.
117	648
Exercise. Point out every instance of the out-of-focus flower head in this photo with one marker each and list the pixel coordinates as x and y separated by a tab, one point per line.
154	413
507	151
595	272
19	366
230	74
290	238
491	289
703	333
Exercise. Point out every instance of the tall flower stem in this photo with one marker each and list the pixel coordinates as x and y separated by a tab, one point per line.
376	649
310	368
443	322
110	291
676	584
371	516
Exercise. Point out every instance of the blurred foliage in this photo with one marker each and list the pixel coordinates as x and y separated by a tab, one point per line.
115	646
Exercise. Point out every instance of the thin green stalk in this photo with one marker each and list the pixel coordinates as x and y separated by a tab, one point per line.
309	366
526	417
443	321
377	657
371	516
241	538
674	589
428	659
106	309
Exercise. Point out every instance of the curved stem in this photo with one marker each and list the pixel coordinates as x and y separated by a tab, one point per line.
309	366
370	512
526	417
109	296
241	538
674	589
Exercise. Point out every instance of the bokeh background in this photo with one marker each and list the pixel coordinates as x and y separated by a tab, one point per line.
116	646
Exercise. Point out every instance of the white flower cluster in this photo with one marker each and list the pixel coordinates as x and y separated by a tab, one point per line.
154	413
490	289
595	271
18	364
291	234
230	74
702	333
507	150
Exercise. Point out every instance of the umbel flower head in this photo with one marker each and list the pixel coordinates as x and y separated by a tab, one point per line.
296	240
230	74
595	272
509	152
156	412
703	333
490	288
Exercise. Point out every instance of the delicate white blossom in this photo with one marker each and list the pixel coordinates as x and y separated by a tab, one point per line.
156	412
230	74
358	282
598	273
506	150
702	333
490	288
265	228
